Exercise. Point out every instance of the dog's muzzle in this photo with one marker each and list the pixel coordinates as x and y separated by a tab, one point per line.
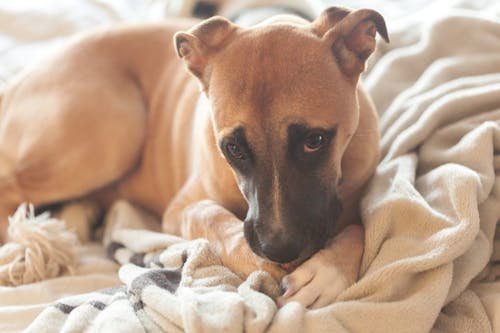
277	248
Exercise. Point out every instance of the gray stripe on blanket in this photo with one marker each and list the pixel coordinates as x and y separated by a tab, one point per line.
112	248
64	308
137	306
163	278
113	290
138	259
98	305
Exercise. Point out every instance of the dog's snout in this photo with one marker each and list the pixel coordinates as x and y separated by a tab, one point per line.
282	251
274	246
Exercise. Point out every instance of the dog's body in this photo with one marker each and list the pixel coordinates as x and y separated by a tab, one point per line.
115	115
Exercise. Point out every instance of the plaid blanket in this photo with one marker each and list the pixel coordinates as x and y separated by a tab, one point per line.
164	279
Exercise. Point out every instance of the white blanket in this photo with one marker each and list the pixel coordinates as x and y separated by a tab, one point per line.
432	257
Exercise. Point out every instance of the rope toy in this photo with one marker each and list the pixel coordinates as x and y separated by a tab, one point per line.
40	247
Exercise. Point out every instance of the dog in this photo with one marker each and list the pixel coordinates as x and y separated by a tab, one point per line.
263	145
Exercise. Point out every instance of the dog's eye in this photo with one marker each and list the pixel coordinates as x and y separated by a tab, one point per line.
235	151
313	142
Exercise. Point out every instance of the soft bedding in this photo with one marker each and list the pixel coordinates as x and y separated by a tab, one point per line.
432	249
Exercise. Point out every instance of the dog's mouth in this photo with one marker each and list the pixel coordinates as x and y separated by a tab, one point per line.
291	266
252	239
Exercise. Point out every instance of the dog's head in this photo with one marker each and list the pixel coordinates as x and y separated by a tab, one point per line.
284	108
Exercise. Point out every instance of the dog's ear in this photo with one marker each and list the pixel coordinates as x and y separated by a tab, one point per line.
197	45
351	36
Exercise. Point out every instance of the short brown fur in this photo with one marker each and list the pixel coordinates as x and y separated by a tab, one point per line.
115	115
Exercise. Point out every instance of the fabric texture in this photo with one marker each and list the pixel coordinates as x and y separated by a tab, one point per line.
432	249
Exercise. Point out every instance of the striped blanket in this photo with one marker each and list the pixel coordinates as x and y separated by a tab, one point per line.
165	281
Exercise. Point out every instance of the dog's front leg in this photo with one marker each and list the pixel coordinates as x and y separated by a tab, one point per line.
224	231
319	280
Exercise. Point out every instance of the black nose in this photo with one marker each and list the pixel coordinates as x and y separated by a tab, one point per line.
281	251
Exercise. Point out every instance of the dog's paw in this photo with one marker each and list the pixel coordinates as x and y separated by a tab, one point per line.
314	284
318	281
224	231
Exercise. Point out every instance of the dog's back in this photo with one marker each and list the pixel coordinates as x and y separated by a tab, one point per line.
77	122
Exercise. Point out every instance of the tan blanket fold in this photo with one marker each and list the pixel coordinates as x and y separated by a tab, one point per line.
432	210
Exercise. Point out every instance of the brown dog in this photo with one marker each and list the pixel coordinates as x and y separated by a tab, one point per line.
282	137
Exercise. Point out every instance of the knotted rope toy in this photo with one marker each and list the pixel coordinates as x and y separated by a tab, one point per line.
40	247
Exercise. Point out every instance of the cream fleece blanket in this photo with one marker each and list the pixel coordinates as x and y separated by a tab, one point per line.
432	252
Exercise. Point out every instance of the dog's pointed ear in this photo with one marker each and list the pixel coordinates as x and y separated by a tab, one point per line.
197	45
351	36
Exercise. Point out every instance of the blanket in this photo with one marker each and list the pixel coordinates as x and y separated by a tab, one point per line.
432	249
